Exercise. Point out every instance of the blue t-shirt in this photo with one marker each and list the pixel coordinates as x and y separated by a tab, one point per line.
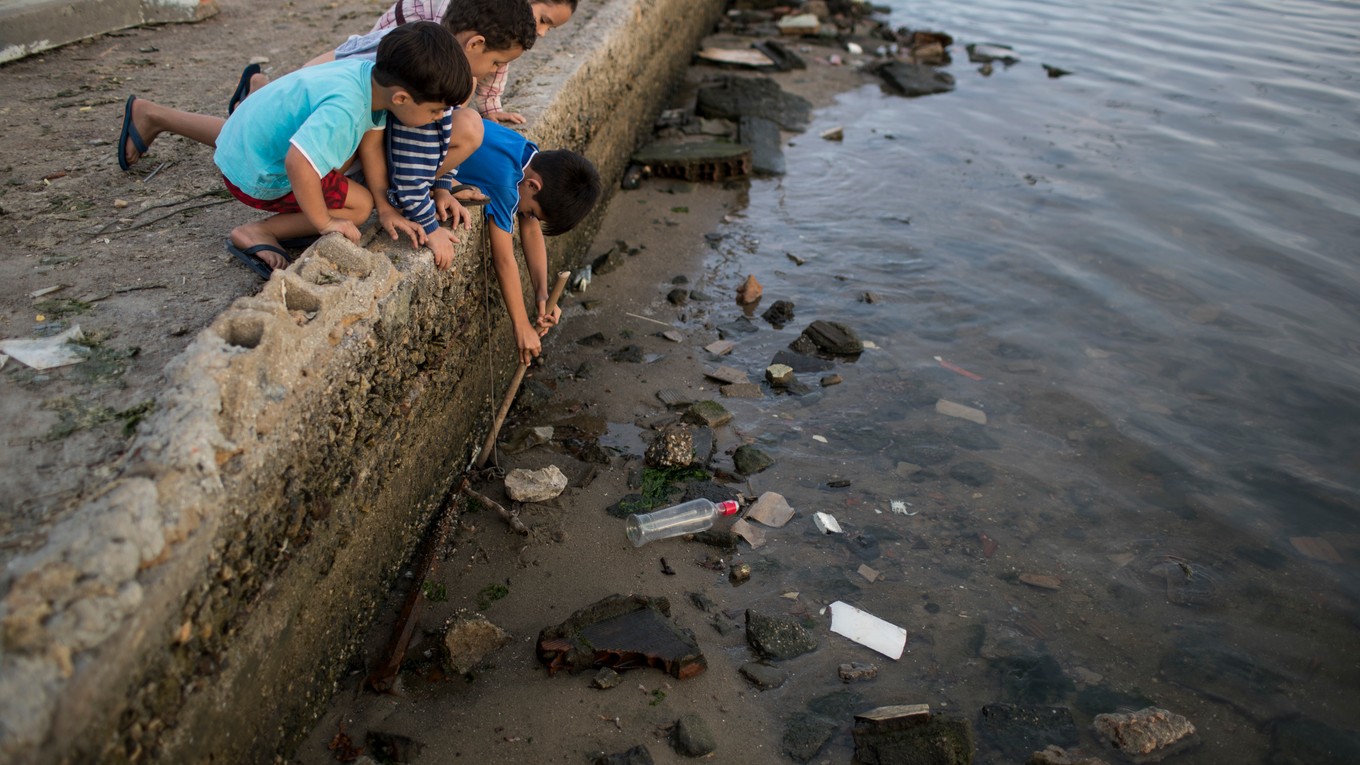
497	167
322	110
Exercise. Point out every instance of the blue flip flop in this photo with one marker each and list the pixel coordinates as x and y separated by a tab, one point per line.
242	87
249	257
129	132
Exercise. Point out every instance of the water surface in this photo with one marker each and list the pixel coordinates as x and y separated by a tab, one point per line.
1150	265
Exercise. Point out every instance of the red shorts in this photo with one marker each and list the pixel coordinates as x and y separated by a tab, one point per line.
334	188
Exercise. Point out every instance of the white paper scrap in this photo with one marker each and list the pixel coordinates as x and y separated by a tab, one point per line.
868	630
45	352
826	523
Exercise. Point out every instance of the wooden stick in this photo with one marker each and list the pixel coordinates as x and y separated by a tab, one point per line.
383	679
490	443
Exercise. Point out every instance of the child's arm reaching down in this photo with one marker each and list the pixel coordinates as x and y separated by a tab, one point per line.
507	274
536	258
311	200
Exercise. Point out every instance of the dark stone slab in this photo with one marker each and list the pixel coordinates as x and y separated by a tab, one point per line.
805	734
779	313
972	473
764	676
831	338
734	97
621	632
749	460
803	363
913	80
638	755
766	144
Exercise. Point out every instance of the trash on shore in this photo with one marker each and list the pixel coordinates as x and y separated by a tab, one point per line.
1042	581
45	352
868	630
826	523
868	573
750	532
621	632
752	58
720	347
771	509
727	375
834	134
951	409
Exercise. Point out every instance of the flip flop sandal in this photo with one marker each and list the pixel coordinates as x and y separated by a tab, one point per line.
242	87
129	133
469	202
252	261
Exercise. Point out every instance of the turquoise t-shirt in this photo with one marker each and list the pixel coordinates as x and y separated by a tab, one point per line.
322	110
497	167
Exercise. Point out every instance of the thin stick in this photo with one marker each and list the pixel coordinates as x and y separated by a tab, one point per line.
644	318
506	515
490	441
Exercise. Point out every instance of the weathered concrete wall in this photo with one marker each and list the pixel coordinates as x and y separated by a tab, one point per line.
201	608
33	26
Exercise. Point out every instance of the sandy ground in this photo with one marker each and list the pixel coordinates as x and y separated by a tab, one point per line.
137	259
138	264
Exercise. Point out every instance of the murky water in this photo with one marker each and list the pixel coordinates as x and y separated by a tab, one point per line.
1150	264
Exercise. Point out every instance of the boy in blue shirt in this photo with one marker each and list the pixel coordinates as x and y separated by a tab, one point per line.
547	193
285	149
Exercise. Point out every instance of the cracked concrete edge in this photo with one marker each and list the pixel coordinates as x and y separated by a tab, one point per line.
85	618
28	27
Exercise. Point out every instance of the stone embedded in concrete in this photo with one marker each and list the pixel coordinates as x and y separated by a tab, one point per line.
535	485
1148	735
469	641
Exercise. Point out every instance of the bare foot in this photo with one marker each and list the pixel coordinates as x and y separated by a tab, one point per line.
257	81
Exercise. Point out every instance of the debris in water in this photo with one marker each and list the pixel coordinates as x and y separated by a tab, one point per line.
868	630
46	352
770	509
749	291
952	367
869	573
989	545
1042	581
1316	548
826	523
951	409
750	532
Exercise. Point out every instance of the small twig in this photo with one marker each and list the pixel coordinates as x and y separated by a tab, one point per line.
159	168
137	287
144	224
644	318
509	517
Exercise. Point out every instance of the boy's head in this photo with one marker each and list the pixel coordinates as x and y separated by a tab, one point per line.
551	14
559	189
423	60
492	32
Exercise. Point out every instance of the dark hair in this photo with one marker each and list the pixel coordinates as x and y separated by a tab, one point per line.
571	187
572	3
423	59
504	23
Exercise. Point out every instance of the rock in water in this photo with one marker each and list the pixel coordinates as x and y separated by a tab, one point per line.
1147	735
777	637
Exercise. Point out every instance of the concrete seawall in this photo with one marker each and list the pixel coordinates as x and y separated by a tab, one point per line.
200	608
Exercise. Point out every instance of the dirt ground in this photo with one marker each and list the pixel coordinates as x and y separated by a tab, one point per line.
137	261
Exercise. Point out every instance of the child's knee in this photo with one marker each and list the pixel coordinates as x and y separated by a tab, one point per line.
359	200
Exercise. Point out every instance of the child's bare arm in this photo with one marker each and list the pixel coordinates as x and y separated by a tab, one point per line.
373	158
536	258
307	190
507	274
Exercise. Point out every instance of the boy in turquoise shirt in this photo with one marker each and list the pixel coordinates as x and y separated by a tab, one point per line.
285	149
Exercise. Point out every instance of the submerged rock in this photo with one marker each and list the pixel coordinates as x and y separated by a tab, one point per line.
764	676
914	80
1148	735
831	338
1020	729
750	460
911	734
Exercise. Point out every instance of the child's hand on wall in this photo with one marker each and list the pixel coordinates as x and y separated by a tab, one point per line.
506	118
449	210
346	229
441	243
396	224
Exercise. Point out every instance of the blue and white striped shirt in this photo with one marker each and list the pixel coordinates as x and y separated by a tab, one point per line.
413	157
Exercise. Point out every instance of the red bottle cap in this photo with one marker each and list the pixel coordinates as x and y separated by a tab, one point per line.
728	507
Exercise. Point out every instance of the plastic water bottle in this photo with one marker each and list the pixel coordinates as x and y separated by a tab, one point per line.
685	518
